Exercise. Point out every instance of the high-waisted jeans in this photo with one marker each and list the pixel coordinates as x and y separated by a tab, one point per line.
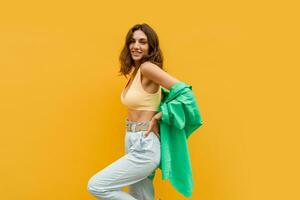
135	169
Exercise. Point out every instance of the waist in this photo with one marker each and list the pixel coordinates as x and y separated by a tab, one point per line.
140	115
135	126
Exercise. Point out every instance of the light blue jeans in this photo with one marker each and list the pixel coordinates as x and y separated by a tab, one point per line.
135	169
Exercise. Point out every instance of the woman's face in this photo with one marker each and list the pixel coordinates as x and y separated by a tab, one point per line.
138	45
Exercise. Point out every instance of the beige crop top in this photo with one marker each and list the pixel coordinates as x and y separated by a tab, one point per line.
139	99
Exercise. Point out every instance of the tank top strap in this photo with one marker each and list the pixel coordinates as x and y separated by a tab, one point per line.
136	83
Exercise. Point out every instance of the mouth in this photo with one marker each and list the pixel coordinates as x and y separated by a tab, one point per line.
136	53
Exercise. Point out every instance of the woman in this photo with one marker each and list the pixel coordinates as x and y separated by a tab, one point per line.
141	95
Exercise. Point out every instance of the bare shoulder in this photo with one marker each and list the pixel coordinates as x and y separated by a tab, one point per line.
157	75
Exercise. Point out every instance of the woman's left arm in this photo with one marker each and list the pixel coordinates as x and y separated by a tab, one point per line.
159	76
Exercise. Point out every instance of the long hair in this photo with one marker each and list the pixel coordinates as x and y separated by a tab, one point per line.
154	54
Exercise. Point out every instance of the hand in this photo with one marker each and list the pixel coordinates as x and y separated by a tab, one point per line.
153	126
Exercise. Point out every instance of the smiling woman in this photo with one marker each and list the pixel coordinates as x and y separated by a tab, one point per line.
142	58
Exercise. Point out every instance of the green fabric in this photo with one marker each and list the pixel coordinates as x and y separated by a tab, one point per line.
180	117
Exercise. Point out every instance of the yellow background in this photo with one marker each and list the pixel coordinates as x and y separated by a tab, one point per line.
61	119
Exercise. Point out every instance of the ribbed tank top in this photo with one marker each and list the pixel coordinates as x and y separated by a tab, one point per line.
139	99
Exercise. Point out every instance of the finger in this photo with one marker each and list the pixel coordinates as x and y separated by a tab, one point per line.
149	127
148	131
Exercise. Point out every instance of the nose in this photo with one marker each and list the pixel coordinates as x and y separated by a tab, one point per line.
136	45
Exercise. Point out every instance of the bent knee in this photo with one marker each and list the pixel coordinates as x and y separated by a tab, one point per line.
95	187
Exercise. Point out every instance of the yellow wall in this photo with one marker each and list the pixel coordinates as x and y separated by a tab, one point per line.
60	111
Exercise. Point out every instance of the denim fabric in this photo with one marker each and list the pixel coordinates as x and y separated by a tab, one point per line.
135	169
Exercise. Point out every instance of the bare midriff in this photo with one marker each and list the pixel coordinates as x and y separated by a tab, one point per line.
140	115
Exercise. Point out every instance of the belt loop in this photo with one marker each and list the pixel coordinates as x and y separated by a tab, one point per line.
133	127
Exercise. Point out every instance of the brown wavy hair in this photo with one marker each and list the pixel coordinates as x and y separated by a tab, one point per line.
154	54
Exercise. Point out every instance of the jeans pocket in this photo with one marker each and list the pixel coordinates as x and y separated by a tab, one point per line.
147	142
141	143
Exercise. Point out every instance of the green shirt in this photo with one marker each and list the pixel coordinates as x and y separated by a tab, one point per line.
180	117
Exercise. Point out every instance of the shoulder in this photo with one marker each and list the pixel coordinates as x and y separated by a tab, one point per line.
146	66
150	69
157	75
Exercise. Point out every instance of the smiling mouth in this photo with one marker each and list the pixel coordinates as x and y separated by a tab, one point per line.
136	53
